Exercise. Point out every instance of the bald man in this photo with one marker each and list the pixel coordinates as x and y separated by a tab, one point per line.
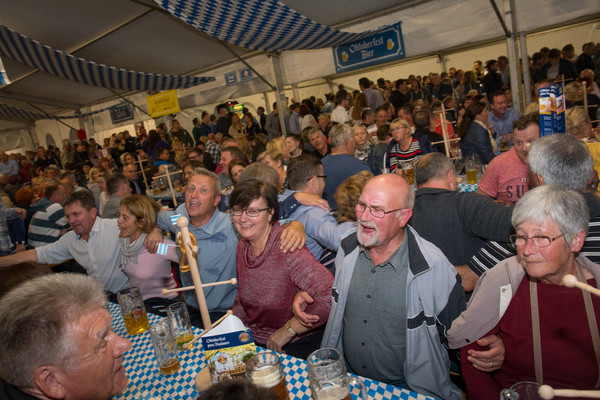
394	296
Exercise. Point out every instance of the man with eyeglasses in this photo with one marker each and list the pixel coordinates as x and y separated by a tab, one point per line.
217	241
394	296
305	174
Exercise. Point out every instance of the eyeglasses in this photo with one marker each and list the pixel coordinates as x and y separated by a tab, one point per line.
251	212
376	212
317	176
538	241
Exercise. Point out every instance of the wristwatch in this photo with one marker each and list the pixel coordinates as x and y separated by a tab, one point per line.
290	329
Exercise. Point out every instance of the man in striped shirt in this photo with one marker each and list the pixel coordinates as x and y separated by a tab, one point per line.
49	222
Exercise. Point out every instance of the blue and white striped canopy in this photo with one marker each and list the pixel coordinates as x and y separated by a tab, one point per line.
267	25
58	63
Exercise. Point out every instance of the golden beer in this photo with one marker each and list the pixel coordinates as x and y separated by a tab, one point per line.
136	322
271	377
471	176
332	393
170	367
183	339
409	175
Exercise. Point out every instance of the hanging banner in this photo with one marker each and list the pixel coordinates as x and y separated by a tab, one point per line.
384	46
552	110
163	103
121	112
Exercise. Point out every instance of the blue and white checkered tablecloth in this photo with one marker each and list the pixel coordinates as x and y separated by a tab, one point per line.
146	382
467	187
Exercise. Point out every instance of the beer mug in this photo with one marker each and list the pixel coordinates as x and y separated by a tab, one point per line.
165	348
328	377
472	167
265	369
408	172
133	310
181	325
521	391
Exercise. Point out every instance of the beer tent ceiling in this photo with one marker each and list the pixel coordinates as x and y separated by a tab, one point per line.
140	36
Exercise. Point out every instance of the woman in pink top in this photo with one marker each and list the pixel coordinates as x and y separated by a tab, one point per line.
268	278
149	272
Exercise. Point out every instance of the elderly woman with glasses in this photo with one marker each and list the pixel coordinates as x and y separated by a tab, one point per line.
550	331
268	278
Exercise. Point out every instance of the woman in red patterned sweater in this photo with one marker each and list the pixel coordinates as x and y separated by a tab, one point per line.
268	278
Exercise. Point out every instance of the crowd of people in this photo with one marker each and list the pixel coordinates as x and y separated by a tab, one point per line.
330	243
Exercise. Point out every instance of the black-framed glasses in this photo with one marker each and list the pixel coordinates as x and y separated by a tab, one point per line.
251	212
317	176
538	241
376	212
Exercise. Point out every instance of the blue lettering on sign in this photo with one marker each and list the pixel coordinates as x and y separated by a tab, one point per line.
384	46
230	78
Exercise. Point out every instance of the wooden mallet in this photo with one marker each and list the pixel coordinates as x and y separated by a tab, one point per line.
548	392
571	281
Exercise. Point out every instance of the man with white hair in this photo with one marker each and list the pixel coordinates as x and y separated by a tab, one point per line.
341	163
57	342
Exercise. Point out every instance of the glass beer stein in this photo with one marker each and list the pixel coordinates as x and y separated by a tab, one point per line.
328	377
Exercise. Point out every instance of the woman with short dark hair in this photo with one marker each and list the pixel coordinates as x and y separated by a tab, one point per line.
268	278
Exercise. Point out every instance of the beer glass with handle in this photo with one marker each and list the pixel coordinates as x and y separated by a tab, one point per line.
165	349
265	369
133	310
328	377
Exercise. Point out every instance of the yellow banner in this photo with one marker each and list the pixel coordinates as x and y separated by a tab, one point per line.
163	103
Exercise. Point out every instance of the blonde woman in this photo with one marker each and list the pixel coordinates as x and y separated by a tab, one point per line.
149	272
580	127
363	142
278	145
275	159
236	125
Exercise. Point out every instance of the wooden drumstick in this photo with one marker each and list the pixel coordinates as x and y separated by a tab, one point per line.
571	281
232	281
196	337
547	392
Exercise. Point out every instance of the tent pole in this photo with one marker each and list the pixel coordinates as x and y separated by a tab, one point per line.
512	54
525	65
279	90
507	32
295	92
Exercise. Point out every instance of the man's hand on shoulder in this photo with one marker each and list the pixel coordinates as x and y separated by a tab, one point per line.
293	237
152	241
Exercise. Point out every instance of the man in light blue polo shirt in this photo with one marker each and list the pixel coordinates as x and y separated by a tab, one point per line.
502	117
